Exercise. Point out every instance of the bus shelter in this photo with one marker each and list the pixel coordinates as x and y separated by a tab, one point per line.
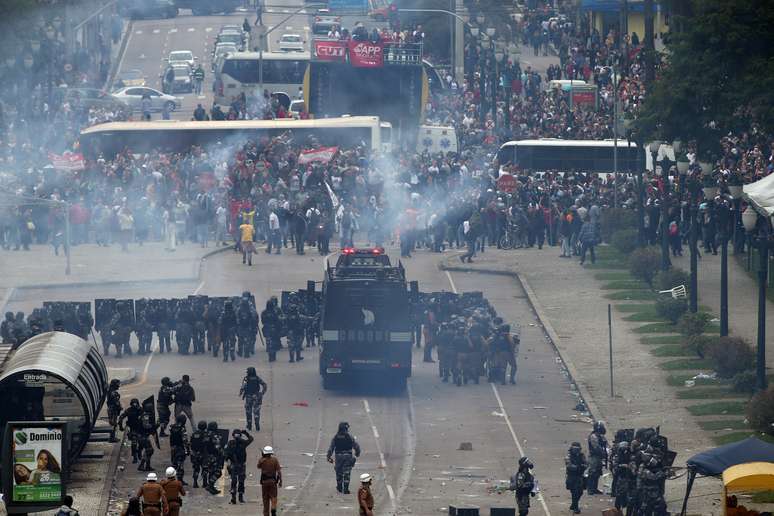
55	376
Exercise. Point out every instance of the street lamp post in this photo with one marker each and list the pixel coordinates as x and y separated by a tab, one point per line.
693	238
763	243
724	216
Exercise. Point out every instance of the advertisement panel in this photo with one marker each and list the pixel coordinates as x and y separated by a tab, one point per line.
364	54
37	454
330	50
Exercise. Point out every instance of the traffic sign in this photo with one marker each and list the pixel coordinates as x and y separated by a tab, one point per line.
506	183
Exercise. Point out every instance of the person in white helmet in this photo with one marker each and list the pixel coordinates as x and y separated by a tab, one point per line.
173	489
365	500
271	478
154	501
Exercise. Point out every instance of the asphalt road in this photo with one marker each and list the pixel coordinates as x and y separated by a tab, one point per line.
412	442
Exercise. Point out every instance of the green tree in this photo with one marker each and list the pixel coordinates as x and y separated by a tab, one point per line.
718	76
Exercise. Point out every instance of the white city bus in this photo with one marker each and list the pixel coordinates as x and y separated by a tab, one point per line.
178	136
548	154
239	72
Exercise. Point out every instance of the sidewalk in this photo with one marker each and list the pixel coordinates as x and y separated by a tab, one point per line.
742	296
571	304
91	264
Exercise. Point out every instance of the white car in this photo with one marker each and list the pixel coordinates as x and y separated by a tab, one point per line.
182	56
132	97
291	43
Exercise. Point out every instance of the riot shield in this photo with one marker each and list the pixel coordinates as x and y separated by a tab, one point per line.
104	309
149	405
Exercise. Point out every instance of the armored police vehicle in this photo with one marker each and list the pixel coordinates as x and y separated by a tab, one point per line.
365	321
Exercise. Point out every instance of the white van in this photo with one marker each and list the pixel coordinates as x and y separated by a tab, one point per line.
437	139
564	84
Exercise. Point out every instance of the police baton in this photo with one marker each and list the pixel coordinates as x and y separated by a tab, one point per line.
260	334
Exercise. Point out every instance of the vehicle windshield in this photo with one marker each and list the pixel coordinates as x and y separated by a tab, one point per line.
291	39
233	38
179	71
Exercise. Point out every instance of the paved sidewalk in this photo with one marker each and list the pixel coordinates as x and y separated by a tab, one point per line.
742	296
574	306
93	264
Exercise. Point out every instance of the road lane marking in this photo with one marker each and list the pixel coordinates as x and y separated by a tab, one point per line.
199	288
410	447
138	32
505	415
451	282
288	27
382	462
191	29
304	482
172	31
156	31
208	29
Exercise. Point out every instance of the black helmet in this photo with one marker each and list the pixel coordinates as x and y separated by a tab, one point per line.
599	427
246	293
576	446
165	380
236	432
202	425
134	402
251	371
343	427
212	425
181	419
115	383
524	462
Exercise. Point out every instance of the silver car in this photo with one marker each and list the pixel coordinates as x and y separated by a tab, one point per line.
133	98
182	56
291	43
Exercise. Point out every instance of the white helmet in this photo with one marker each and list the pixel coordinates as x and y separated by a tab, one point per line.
268	450
365	477
171	472
151	477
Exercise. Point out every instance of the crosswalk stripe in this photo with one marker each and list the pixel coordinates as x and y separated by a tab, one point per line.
191	29
138	32
156	31
208	29
171	31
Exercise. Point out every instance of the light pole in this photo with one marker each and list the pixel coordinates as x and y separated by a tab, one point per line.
264	38
764	244
693	243
724	216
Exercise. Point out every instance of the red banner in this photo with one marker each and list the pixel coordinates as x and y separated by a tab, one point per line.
584	97
365	54
506	183
69	161
330	50
323	155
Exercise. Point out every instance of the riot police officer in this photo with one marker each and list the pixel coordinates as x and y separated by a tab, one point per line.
184	327
84	321
523	482
271	318
121	327
148	429
228	327
446	352
252	391
160	319
179	447
6	328
113	407
575	465
214	461
462	349
144	330
295	322
132	416
342	447
199	329
247	327
236	455
624	474
164	399
597	456
199	453
650	479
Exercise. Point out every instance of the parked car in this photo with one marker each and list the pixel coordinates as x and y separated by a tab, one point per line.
88	98
324	24
177	77
182	56
137	9
133	98
237	38
291	43
129	78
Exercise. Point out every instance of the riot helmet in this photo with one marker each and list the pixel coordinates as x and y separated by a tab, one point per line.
115	383
180	419
524	462
201	425
251	371
165	381
212	425
343	427
135	403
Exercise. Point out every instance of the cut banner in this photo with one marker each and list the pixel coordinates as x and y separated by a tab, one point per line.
321	155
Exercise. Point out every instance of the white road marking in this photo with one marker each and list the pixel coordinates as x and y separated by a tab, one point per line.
286	10
306	28
288	27
451	282
156	31
208	29
172	31
138	32
198	289
505	415
382	462
191	29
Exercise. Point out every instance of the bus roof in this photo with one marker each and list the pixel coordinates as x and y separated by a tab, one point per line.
180	125
276	56
558	142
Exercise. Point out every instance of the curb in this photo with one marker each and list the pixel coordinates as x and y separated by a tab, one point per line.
585	395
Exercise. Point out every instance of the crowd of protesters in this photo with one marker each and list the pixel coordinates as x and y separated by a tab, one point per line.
420	200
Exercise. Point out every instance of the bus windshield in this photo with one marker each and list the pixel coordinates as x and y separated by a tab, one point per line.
570	155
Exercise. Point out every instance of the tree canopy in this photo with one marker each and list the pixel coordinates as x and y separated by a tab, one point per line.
718	74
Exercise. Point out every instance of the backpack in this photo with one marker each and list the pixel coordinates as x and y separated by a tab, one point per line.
673	229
